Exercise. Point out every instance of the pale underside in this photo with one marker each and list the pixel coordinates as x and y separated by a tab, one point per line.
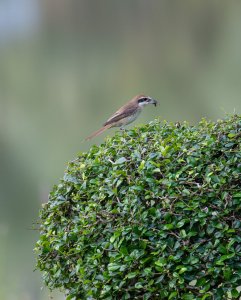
127	120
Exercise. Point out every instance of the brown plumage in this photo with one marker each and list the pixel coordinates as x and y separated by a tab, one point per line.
98	132
126	114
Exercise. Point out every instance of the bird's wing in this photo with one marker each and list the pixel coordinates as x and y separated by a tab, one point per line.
121	113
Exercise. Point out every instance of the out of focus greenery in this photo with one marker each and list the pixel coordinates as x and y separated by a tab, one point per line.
67	65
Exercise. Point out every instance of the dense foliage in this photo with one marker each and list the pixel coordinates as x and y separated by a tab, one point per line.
152	213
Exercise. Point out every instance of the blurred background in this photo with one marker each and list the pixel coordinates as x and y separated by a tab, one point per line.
65	66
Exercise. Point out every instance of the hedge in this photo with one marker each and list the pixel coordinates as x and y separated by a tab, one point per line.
152	213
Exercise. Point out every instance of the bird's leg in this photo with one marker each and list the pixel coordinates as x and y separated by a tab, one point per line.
124	131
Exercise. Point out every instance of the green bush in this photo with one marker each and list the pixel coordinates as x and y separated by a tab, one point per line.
152	213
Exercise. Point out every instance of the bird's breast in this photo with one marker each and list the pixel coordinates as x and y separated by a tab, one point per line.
132	117
128	119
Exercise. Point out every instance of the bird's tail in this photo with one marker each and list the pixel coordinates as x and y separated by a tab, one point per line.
94	134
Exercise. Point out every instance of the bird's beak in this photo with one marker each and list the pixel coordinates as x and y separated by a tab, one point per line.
154	102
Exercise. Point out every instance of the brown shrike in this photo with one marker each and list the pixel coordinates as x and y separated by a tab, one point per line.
126	114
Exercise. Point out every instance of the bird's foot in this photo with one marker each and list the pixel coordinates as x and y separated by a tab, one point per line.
124	132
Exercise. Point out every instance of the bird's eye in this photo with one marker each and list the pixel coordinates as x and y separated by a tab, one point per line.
141	100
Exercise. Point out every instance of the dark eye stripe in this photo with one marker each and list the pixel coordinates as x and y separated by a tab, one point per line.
142	100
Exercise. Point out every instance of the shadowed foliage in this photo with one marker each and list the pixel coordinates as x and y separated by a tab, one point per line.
152	213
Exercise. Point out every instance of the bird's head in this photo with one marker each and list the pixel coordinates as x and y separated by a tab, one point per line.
145	100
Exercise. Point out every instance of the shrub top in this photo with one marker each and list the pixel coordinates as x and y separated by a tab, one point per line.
152	213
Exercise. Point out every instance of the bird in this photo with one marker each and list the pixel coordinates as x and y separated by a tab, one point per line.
126	114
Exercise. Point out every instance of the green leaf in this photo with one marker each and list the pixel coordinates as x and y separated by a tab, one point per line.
235	294
113	267
182	270
224	257
180	223
188	296
138	285
120	161
161	262
168	226
172	295
132	274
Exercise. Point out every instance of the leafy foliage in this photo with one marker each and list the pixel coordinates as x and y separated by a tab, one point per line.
152	213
